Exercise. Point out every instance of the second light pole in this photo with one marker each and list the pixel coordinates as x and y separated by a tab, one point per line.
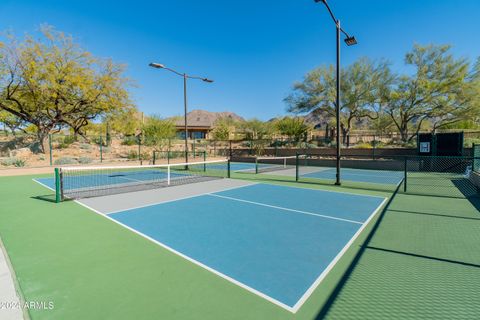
185	105
350	41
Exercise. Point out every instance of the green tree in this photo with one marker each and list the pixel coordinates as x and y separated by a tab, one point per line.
157	132
126	121
12	122
361	88
256	129
436	92
293	127
52	83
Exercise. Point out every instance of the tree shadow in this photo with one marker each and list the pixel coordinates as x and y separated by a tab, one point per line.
436	215
347	274
463	263
469	190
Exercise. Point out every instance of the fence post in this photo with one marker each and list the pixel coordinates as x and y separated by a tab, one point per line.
296	167
374	144
193	148
154	157
101	148
204	160
230	148
140	149
228	168
50	148
405	174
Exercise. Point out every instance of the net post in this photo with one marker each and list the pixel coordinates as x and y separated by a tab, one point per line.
285	163
297	163
256	165
405	174
50	148
168	175
228	168
58	186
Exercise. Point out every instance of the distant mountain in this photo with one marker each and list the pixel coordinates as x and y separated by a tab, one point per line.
203	118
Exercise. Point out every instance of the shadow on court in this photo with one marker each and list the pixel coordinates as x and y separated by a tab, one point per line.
420	260
46	197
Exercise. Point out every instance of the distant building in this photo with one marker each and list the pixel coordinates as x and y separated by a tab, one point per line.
200	123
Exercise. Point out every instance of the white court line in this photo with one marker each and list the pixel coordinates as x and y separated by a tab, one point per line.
178	199
198	263
42	184
332	264
284	209
307	293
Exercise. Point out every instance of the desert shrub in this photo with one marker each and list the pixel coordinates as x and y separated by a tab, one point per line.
132	155
69	140
129	141
469	141
146	156
12	161
85	160
65	160
364	145
85	146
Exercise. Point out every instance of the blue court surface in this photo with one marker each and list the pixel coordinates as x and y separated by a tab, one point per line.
358	175
277	242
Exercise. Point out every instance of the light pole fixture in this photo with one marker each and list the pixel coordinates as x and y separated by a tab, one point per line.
350	41
185	77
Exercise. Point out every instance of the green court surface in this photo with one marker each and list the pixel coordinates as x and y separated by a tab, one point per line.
419	259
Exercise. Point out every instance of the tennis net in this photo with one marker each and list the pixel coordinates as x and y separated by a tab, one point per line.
269	164
85	182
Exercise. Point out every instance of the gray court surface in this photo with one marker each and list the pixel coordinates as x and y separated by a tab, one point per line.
121	202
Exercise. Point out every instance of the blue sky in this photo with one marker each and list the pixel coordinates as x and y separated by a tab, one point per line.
253	49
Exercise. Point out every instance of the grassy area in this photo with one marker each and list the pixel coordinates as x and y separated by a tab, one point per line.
423	261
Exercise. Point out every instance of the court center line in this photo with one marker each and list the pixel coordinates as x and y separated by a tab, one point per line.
284	209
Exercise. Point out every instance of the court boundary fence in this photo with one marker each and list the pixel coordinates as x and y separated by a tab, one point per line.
445	176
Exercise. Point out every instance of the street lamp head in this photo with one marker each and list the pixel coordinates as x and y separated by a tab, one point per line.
207	80
351	41
323	1
156	65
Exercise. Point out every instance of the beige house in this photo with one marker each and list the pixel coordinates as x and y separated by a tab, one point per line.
200	123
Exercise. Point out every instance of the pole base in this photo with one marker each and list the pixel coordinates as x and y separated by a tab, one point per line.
338	183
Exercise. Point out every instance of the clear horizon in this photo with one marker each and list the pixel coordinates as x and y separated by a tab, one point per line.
253	51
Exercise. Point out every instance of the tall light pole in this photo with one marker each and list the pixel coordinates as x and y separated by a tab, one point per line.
350	41
185	107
